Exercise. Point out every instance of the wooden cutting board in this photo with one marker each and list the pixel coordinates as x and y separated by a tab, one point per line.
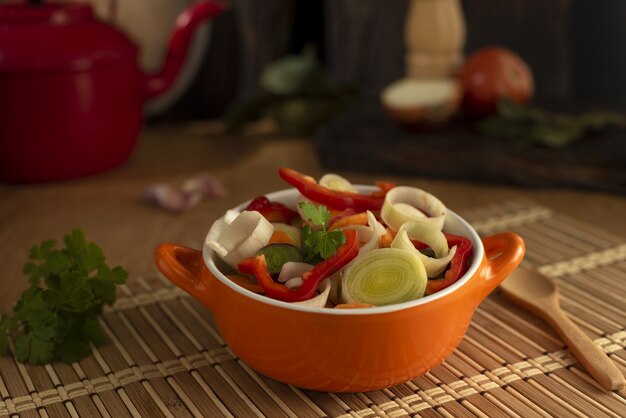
364	138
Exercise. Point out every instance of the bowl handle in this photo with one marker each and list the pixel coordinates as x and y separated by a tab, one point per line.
503	253
182	266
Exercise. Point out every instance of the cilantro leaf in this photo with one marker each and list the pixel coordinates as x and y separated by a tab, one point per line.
73	348
308	253
319	243
326	243
57	318
4	341
4	330
86	256
316	214
46	262
72	295
93	332
36	346
103	290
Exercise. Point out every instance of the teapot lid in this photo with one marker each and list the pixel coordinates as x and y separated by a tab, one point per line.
59	36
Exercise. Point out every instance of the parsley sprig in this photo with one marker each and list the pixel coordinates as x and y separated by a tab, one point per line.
318	243
56	317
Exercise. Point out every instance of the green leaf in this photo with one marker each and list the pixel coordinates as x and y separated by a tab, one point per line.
556	136
508	109
57	318
4	341
35	347
73	349
86	256
103	292
73	294
240	113
599	120
4	334
116	275
320	243
326	243
93	332
46	262
30	305
316	214
535	125
308	253
287	75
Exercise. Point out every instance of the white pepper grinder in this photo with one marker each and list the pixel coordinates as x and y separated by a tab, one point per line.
434	37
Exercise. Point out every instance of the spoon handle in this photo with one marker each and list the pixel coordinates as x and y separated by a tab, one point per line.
597	363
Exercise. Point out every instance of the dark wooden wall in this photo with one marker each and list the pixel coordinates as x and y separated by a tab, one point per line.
576	48
598	33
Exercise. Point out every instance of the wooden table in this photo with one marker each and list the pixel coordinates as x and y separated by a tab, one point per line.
166	357
108	208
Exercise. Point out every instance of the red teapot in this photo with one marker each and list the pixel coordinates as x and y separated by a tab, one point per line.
71	92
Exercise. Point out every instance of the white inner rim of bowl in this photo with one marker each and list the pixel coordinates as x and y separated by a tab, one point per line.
454	224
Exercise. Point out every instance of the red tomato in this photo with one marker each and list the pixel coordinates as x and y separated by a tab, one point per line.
491	74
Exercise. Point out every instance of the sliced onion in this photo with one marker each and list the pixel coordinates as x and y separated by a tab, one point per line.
370	234
335	287
378	230
410	210
294	282
214	233
241	238
216	230
336	182
404	204
320	300
231	215
364	232
425	233
293	269
430	236
383	277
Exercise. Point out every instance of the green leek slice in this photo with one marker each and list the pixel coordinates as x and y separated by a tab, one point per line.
404	204
276	255
430	236
384	276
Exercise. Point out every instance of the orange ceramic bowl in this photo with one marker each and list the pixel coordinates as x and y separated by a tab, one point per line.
343	350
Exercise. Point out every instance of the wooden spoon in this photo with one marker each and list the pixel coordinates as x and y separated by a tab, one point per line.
540	295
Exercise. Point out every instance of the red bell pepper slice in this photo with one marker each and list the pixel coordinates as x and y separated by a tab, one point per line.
335	199
272	211
257	266
458	265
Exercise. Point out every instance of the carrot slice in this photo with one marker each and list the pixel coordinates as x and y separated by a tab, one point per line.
280	237
354	305
385	240
356	219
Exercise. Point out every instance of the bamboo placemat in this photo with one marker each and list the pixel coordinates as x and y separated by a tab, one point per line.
166	358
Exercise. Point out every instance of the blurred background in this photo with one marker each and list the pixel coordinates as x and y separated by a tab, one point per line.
546	107
576	49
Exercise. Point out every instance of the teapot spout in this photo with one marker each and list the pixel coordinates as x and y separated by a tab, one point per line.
184	28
